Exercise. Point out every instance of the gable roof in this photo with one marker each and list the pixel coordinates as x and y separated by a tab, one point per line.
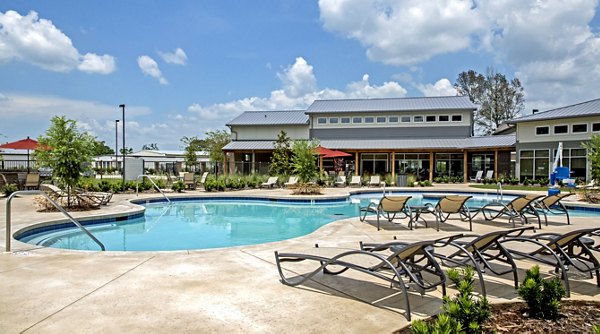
583	109
392	104
294	117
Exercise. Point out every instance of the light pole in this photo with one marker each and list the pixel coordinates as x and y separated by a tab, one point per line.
116	143
122	106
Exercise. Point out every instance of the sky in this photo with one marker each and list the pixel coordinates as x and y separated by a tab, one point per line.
183	68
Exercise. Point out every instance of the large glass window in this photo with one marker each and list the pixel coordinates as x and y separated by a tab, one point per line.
481	162
449	164
576	160
534	164
374	163
415	164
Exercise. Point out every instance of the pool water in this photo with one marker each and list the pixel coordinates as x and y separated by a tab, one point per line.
202	224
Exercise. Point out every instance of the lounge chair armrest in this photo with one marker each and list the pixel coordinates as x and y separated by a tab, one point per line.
447	240
517	232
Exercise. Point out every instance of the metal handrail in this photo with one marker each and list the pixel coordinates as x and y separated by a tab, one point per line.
499	192
56	205
151	181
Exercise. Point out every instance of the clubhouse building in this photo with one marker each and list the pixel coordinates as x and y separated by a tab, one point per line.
426	137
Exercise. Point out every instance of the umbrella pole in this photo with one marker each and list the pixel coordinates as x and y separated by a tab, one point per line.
27	161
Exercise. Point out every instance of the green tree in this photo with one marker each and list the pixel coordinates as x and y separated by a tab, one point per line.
100	148
192	145
128	150
304	160
593	151
499	99
150	147
66	150
214	143
280	160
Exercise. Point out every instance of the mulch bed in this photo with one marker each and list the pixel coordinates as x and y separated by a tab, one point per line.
576	317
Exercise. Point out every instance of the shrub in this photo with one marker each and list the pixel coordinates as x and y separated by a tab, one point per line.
542	296
463	313
9	189
596	329
426	183
178	186
104	185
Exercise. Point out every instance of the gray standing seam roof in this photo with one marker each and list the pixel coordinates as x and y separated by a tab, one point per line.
589	108
394	144
394	104
294	117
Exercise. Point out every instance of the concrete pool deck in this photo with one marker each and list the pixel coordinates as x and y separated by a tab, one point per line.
228	290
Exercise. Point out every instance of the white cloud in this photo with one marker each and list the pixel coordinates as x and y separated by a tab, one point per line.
177	57
37	41
150	67
298	79
442	87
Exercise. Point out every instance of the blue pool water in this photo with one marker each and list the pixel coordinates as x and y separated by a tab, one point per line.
215	223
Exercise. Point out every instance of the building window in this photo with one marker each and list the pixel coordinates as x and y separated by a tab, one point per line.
576	160
561	129
443	118
345	120
418	119
369	119
356	120
430	118
393	119
381	119
595	127
415	164
456	118
579	128
534	164
448	164
333	120
322	120
542	130
374	163
405	119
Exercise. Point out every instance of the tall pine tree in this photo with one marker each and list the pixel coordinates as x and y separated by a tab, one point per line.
280	161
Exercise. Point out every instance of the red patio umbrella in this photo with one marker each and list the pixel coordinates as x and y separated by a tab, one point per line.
23	144
320	150
337	154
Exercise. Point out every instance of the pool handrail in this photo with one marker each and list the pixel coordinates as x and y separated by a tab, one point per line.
56	205
151	181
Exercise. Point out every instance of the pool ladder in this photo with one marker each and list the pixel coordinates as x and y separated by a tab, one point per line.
56	205
151	181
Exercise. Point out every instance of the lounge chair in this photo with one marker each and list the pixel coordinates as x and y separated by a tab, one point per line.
389	207
340	181
32	181
3	181
563	251
479	251
401	261
74	198
452	204
203	178
477	177
518	208
375	181
489	174
189	180
356	181
271	182
292	182
552	204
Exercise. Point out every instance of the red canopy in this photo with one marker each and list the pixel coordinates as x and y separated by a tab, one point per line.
337	154
320	150
23	144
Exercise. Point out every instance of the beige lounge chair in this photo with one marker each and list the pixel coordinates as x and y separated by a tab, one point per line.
340	181
375	181
356	181
452	204
292	182
203	178
32	181
389	207
77	198
189	180
271	182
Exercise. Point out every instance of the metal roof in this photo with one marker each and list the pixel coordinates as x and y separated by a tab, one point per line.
394	144
394	104
589	108
294	117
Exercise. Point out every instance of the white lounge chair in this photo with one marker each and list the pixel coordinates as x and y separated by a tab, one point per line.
203	178
271	182
489	174
356	181
477	177
292	182
375	181
340	181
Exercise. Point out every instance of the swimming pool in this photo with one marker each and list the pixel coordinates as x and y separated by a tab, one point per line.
203	223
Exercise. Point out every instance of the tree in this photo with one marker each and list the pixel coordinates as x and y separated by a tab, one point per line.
593	151
280	160
304	160
100	148
66	150
499	99
214	143
192	145
150	147
128	150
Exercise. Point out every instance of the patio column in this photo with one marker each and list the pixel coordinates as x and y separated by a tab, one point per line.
356	163
431	166
253	162
393	165
496	163
465	167
225	164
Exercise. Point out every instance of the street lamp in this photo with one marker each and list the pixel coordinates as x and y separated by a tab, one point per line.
116	143
124	147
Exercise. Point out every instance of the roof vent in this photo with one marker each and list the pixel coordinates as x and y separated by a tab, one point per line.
535	111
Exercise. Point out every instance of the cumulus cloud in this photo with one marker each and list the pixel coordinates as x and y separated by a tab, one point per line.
442	87
37	41
298	79
177	57
550	44
150	67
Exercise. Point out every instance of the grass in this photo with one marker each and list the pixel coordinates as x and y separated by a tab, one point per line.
511	187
